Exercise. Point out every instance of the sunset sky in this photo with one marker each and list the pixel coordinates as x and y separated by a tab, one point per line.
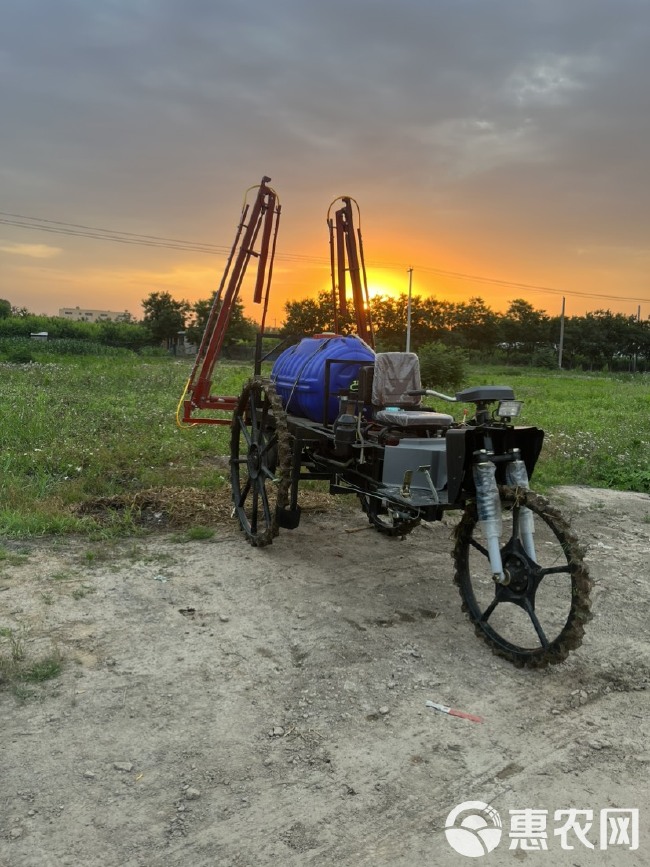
506	141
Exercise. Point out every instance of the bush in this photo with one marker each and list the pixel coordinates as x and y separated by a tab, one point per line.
20	355
544	357
442	367
22	350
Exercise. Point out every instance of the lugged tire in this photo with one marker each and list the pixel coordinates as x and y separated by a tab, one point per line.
261	477
556	530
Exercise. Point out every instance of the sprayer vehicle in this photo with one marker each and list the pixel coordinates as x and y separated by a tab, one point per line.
333	409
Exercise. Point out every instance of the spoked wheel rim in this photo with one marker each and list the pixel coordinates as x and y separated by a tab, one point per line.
539	616
259	462
385	520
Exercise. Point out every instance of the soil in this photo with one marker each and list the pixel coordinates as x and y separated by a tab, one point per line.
226	705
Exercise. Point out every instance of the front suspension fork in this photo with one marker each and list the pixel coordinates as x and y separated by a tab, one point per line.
517	476
488	507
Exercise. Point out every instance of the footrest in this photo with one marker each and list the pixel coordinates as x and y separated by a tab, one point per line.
288	519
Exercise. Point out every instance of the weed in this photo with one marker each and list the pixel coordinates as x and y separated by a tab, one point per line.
16	669
62	576
134	552
17	644
96	556
22	693
43	669
47	598
82	592
194	534
10	558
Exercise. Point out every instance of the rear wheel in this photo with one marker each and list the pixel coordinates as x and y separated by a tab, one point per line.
538	617
260	462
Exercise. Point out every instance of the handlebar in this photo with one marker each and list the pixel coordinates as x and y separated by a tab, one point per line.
432	393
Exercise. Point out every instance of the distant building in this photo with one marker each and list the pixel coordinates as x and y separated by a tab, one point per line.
83	314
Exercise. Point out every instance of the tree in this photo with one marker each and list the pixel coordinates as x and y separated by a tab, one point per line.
241	329
524	329
165	317
5	308
316	316
389	321
475	325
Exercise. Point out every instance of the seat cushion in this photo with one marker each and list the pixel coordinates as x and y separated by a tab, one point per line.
413	418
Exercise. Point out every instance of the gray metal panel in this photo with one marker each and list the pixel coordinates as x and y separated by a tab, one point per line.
410	454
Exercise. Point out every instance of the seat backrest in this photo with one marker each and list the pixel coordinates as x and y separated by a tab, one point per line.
396	373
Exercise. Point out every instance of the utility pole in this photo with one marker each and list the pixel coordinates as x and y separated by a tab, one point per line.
408	312
559	360
638	319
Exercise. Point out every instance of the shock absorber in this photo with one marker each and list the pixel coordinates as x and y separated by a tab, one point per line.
517	477
488	506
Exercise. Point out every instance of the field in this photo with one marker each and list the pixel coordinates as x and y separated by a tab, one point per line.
74	429
171	696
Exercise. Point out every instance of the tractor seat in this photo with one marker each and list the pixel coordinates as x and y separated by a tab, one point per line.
395	375
413	418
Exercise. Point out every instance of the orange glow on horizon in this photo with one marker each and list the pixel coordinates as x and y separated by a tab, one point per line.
446	275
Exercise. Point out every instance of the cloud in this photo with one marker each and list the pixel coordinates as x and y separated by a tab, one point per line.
513	125
32	251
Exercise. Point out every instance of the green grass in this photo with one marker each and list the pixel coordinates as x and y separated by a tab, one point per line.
79	428
596	425
42	669
9	558
91	427
194	534
18	669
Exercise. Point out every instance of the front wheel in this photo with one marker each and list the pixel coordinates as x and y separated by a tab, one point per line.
538	616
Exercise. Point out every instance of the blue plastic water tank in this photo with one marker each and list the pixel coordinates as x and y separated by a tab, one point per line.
299	374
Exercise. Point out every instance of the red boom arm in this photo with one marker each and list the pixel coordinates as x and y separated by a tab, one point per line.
265	215
345	243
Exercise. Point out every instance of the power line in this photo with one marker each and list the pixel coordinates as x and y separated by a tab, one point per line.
58	227
84	231
527	286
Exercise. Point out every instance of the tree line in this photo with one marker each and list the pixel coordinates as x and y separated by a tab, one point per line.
521	335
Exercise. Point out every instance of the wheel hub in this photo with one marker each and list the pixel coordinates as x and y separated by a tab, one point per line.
254	461
519	573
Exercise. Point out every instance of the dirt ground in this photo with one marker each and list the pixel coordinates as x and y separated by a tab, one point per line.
224	705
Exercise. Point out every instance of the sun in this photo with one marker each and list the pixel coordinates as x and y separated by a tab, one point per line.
378	290
386	284
381	284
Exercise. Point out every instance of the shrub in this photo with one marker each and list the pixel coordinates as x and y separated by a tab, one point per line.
22	350
20	355
442	367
